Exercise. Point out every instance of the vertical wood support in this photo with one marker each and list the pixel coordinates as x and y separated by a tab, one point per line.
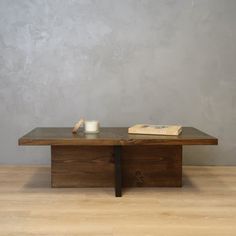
118	171
152	166
117	166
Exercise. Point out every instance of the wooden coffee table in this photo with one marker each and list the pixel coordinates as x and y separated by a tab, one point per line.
114	158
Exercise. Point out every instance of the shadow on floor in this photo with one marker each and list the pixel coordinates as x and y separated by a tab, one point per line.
41	178
192	177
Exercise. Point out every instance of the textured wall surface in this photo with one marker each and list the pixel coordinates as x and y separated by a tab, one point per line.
121	62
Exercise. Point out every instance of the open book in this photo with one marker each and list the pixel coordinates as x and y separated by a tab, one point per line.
155	129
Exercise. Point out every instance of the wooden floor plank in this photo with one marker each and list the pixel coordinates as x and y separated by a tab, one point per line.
205	205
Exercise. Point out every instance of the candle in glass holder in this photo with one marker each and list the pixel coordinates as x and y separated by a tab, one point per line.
91	126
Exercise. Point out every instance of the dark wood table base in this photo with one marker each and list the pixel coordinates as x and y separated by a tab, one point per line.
117	166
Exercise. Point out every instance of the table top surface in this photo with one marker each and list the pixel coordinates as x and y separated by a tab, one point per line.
113	136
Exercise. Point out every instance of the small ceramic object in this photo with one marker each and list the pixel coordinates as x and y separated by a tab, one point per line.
91	126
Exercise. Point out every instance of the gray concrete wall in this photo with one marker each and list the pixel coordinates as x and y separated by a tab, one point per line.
121	62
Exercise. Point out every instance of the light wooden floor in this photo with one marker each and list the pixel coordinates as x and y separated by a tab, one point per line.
206	205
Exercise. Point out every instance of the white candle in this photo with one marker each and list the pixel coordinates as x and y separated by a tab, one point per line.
91	126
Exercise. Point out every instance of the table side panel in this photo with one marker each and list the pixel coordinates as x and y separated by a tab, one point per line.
152	166
84	166
93	166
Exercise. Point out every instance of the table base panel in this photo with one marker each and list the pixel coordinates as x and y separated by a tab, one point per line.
93	166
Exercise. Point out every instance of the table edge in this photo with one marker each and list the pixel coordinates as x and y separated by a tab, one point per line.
108	142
